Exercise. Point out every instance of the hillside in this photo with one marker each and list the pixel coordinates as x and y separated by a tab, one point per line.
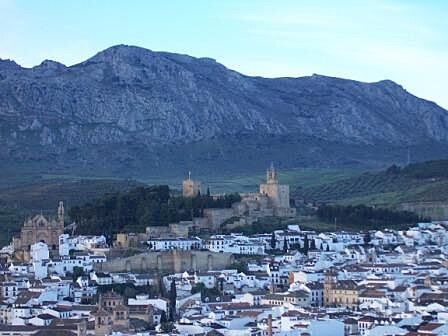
420	187
132	112
25	200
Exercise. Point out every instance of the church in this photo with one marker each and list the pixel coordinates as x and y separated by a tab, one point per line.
39	229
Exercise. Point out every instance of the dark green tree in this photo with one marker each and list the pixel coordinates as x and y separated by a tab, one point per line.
163	318
165	325
285	245
173	298
273	241
367	238
306	245
77	272
313	244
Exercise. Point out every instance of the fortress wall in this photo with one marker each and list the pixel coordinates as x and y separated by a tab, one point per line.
168	262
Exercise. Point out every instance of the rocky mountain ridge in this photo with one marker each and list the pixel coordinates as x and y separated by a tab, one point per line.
131	111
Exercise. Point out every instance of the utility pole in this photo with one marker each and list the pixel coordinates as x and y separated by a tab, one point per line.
335	223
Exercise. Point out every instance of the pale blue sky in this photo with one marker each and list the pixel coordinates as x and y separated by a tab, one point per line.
402	40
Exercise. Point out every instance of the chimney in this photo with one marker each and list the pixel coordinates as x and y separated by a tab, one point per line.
269	325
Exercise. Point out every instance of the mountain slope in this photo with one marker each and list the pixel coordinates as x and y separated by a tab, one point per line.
133	112
419	187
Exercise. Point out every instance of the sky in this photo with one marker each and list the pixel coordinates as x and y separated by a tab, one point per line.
368	40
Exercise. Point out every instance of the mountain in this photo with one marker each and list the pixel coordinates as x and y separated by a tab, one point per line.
129	111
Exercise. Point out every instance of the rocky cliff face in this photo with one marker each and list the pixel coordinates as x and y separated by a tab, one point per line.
131	111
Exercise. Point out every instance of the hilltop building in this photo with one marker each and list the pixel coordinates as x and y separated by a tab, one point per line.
190	188
277	194
39	229
271	200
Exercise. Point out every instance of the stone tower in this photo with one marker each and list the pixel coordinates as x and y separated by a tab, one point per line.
271	175
278	194
190	188
329	284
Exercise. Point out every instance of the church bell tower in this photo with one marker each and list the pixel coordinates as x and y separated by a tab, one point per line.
61	213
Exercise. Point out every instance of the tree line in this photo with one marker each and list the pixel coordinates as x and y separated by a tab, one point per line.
133	211
365	216
422	170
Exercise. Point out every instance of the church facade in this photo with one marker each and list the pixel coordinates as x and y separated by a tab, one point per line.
39	229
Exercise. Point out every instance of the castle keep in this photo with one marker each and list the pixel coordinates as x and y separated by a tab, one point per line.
277	194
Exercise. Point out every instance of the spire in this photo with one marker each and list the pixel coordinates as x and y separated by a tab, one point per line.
189	176
61	212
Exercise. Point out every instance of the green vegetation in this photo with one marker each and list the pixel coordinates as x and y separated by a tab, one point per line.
205	292
420	182
141	207
428	169
42	196
128	290
362	216
300	177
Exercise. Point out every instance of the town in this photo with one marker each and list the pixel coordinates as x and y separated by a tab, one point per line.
189	278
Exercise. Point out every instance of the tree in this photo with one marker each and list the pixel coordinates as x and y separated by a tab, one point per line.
285	245
321	246
173	298
208	192
367	238
129	292
306	244
273	241
165	325
77	272
198	288
328	248
163	318
313	244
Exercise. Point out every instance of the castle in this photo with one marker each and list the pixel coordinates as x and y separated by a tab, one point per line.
271	200
277	194
39	229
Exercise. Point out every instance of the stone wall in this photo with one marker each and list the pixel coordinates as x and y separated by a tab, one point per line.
168	262
215	217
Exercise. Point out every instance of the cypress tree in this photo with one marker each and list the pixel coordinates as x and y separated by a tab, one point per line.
173	297
273	241
285	245
306	245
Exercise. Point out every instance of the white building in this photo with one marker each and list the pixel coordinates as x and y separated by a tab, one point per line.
39	251
166	244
